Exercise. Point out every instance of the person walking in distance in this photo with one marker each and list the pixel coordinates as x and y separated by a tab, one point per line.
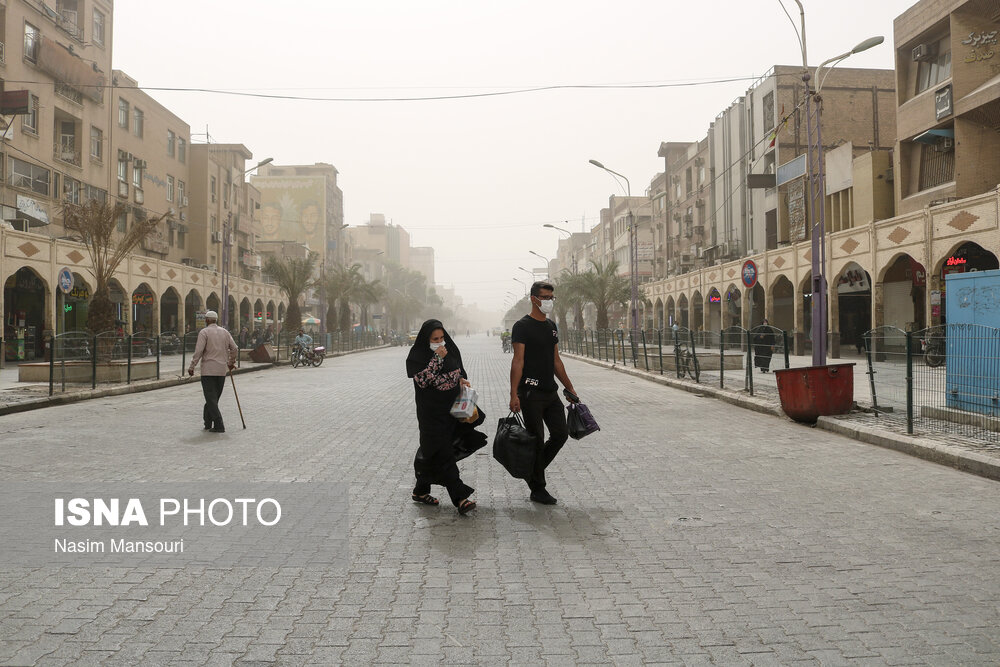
216	350
533	389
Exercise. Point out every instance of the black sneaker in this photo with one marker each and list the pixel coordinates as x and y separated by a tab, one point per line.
217	430
544	497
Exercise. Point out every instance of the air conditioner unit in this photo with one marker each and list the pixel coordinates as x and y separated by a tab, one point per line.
671	265
125	156
122	189
216	237
208	267
184	201
139	196
700	203
924	52
187	261
183	215
139	164
698	251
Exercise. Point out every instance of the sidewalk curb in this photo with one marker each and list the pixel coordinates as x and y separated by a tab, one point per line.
87	394
953	457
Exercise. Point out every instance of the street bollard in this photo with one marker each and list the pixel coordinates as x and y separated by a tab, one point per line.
158	357
128	372
52	362
722	358
909	382
784	338
93	364
659	348
749	380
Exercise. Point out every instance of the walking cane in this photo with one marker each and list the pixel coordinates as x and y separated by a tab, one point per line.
238	407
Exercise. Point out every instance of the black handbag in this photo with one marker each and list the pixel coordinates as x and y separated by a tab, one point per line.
579	421
467	439
515	447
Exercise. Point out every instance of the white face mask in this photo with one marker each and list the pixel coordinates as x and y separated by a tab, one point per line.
435	346
546	306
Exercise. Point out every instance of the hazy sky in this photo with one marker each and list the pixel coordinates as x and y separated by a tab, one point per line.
474	178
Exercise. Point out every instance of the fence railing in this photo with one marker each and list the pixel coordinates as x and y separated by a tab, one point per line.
78	358
940	380
705	357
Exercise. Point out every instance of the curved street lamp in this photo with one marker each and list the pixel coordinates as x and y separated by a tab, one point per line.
523	284
633	246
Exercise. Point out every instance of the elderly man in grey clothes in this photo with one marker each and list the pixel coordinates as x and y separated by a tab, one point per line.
216	350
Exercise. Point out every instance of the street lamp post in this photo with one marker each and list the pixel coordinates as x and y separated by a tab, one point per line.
523	284
569	235
226	252
633	246
816	170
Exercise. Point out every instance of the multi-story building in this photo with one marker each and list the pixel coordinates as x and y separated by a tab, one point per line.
422	260
303	203
149	147
392	240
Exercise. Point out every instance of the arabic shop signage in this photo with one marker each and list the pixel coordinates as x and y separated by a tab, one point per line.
142	299
982	46
942	103
956	261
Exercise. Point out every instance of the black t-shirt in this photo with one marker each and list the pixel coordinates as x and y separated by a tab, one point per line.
539	340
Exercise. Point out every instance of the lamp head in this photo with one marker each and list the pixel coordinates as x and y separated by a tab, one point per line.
868	43
265	161
597	164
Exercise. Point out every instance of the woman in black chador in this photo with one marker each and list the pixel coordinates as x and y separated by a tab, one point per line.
435	364
763	347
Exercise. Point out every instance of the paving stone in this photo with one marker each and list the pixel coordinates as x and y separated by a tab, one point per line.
687	531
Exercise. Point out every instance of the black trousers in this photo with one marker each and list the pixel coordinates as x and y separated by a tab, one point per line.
212	386
542	410
434	462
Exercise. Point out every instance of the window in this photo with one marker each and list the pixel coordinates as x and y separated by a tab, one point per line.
212	188
768	112
123	222
32	40
29	176
701	175
171	140
932	72
937	165
181	192
96	194
137	176
170	188
170	236
97	32
71	190
122	169
181	233
29	122
213	225
122	113
96	143
181	150
138	122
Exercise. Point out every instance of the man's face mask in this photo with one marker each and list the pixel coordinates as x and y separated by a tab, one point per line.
546	305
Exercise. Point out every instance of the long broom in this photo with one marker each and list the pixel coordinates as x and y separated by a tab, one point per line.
240	408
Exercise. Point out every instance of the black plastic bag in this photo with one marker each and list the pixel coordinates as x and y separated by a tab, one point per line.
514	447
467	439
579	421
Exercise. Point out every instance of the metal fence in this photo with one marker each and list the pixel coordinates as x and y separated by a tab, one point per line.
704	357
940	380
79	358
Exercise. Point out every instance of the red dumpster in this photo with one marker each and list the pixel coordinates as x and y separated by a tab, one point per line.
814	391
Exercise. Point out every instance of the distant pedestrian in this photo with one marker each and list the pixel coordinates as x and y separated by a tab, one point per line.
763	347
435	364
244	337
216	350
533	388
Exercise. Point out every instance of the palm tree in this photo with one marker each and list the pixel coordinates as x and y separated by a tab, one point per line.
603	287
294	277
95	225
340	283
567	286
369	293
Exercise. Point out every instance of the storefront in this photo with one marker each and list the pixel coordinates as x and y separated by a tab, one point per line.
967	258
24	315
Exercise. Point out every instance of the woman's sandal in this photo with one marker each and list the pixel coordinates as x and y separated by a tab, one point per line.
426	499
466	506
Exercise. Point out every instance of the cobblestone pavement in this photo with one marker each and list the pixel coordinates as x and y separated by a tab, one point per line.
687	531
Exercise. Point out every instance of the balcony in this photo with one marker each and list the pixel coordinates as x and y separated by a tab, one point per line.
67	152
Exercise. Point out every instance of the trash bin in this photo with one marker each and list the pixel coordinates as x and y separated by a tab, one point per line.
815	391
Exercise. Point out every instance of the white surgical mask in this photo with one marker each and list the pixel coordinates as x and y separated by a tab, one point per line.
546	306
435	346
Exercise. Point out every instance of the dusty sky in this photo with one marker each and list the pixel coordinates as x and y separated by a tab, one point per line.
475	178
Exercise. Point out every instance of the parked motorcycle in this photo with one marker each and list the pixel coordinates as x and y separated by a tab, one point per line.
308	356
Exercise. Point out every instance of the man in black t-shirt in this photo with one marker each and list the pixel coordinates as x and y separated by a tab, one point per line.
533	388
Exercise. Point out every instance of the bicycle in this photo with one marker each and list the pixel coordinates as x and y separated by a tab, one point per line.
686	362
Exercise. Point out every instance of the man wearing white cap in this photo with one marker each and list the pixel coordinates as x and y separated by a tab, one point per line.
216	350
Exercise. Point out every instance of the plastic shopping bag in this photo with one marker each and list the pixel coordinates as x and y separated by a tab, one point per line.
465	405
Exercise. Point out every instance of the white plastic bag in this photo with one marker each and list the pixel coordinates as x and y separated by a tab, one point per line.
465	405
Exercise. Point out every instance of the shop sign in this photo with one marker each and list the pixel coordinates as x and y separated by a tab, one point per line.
79	293
935	297
918	273
714	298
65	280
142	299
942	103
853	280
749	273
